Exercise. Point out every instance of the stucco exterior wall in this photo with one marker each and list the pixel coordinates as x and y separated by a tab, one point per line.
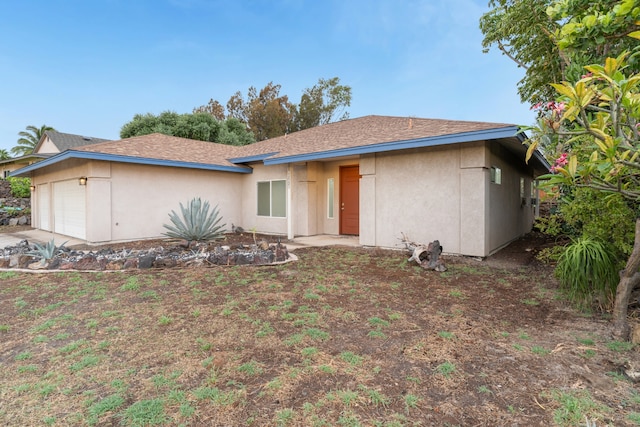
143	196
127	201
510	215
416	192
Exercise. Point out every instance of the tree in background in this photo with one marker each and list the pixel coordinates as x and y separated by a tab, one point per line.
29	138
4	154
198	126
269	114
594	124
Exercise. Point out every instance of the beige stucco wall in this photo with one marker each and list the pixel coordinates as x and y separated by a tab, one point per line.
444	193
127	201
432	193
510	216
143	196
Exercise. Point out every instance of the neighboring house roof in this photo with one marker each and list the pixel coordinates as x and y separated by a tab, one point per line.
26	159
363	135
66	141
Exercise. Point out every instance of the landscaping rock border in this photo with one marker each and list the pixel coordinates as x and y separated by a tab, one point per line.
25	256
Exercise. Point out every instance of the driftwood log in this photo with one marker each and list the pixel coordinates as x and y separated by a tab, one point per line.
426	256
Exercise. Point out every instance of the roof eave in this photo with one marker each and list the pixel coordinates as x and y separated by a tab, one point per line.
88	155
254	158
486	134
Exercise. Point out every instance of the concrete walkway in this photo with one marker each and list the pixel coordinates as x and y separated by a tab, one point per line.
37	236
40	236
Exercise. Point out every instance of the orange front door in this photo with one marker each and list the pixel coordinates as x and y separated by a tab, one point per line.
350	200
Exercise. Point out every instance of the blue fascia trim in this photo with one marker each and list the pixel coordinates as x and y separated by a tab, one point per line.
255	158
69	154
506	132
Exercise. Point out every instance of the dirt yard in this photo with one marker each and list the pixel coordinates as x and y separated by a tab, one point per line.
341	337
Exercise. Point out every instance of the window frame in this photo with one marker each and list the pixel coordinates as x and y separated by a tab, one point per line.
277	198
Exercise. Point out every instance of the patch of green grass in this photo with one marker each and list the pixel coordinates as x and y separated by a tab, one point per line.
4	328
377	334
539	350
145	413
574	407
351	358
5	275
411	401
108	404
634	417
484	390
446	335
284	417
378	322
86	362
377	398
250	368
456	293
165	320
347	397
40	338
446	369
72	346
620	346
27	368
265	329
530	301
586	341
215	395
25	355
131	284
48	324
150	294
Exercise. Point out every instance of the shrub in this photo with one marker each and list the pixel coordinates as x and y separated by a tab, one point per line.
588	273
196	224
20	187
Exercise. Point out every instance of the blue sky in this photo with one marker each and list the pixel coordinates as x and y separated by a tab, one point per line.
87	67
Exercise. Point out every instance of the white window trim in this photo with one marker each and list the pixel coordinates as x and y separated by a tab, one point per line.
270	182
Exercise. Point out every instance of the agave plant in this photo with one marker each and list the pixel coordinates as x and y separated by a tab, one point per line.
196	224
46	251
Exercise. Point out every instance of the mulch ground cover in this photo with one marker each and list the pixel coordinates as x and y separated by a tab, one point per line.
341	337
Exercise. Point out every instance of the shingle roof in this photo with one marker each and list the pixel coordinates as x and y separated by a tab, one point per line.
363	131
355	136
165	147
65	141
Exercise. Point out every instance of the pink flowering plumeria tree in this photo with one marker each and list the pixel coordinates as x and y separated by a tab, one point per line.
592	131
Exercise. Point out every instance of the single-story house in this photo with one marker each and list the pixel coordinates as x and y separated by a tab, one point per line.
461	182
51	143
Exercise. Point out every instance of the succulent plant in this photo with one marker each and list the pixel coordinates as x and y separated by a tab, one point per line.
197	223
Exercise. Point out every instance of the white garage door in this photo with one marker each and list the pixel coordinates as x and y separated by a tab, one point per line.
69	209
44	206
